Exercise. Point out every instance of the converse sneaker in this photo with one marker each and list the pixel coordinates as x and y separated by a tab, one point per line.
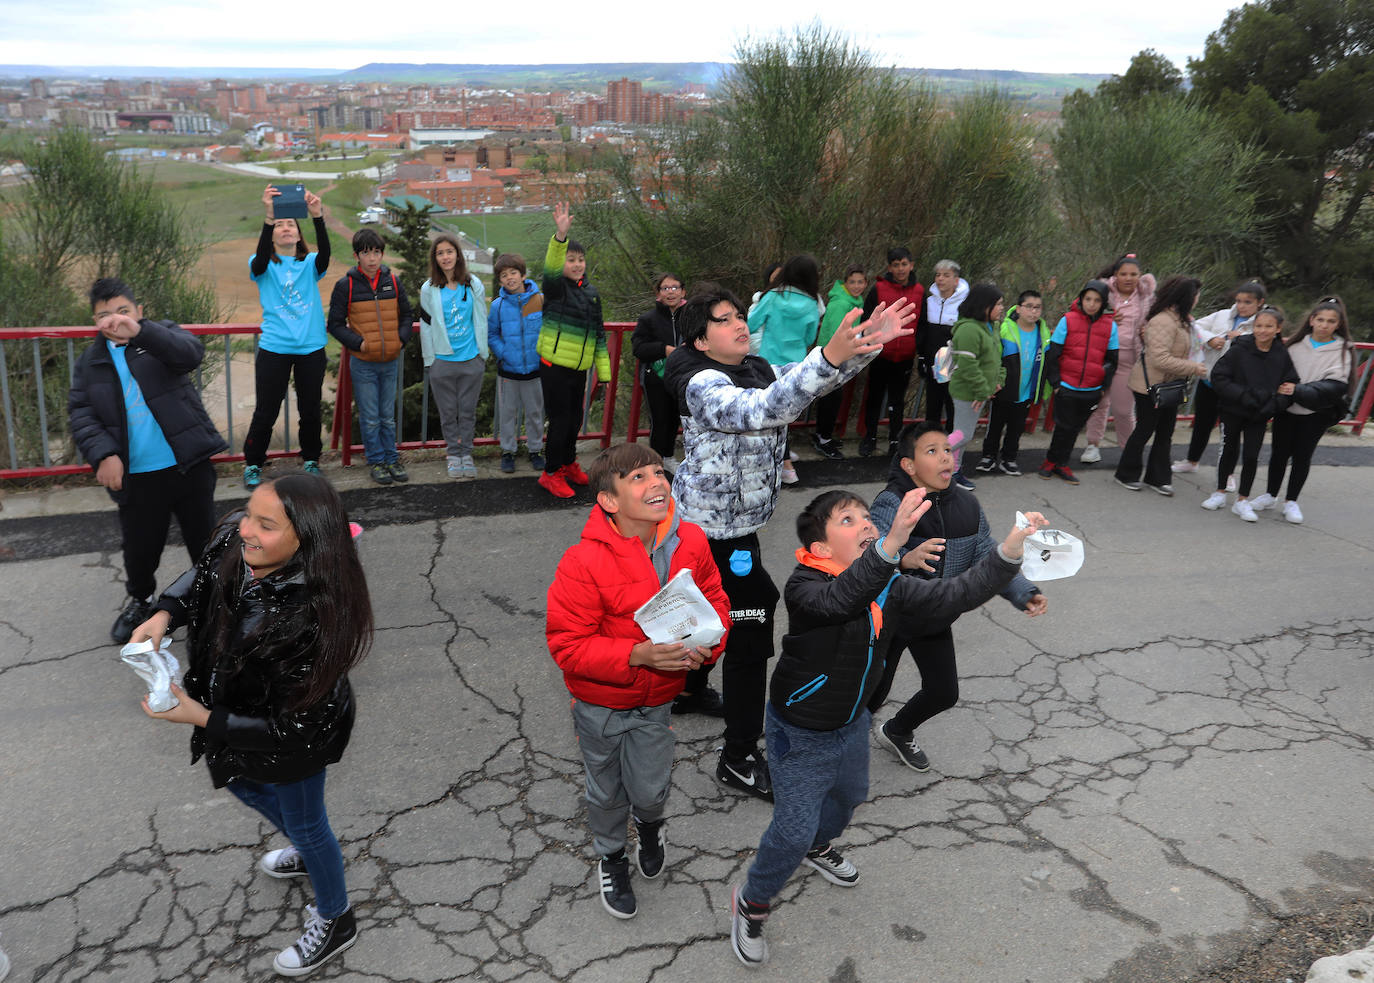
833	867
986	464
749	775
252	476
135	612
324	939
1009	467
906	747
1292	513
283	863
1261	502
1090	455
398	471
653	848
1183	467
746	930
1244	509
617	896
1215	501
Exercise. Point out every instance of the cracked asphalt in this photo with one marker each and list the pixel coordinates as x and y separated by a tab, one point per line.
1134	787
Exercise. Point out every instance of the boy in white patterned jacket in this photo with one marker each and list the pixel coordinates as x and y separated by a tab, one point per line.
735	413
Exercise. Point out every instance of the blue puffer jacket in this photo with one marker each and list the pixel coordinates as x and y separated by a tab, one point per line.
513	331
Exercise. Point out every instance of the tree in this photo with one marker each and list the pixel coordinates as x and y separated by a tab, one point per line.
410	244
1150	73
1297	77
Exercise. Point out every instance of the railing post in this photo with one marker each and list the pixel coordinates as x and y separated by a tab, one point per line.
9	413
42	403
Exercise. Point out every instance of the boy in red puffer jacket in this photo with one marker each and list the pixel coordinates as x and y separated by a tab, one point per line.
622	684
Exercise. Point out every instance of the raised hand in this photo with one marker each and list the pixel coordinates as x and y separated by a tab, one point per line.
921	557
1015	543
267	197
562	219
314	205
909	511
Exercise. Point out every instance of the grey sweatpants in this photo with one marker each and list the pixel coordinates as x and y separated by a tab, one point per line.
628	756
514	395
456	387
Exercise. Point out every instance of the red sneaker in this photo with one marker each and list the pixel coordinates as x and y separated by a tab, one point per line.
573	474
554	484
1066	472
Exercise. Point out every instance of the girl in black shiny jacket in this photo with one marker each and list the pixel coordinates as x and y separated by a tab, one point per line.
277	612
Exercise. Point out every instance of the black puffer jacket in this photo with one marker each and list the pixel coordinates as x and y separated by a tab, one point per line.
836	645
250	684
1247	379
161	359
655	330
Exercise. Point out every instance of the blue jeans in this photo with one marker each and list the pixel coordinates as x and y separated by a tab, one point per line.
374	393
819	777
297	809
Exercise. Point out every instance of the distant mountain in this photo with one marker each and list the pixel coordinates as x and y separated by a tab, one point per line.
654	75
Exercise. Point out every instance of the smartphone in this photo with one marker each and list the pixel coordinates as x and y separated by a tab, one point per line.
291	202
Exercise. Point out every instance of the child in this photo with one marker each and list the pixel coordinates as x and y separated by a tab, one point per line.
844	297
1325	359
138	421
978	373
844	602
622	684
370	316
293	334
453	344
513	334
948	540
938	314
655	338
1025	336
735	417
277	613
1254	380
571	340
1079	366
890	373
1130	295
1215	332
785	321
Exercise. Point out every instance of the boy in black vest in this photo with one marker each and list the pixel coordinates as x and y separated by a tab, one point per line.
845	586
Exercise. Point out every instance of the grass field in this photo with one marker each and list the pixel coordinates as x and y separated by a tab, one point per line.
527	233
330	166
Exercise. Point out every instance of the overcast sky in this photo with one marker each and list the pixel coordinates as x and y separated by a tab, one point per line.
1066	36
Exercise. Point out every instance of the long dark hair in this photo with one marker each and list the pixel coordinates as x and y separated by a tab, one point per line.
336	592
302	251
801	273
981	299
1336	305
1177	294
460	269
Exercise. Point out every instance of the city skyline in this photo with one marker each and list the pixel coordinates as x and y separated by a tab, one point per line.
1074	36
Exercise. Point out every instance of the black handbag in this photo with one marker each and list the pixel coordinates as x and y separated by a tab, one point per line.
1165	395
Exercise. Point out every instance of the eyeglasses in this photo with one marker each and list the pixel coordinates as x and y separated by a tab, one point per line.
670	286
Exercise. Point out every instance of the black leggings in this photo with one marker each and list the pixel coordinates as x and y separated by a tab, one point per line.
272	372
1236	432
1155	427
887	382
827	412
1205	411
934	658
151	498
563	391
1295	439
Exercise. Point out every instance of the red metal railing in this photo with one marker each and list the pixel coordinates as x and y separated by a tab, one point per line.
854	395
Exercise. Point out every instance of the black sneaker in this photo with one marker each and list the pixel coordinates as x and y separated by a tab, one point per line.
283	863
986	464
653	848
963	482
827	448
867	446
381	474
1009	467
134	614
906	747
617	896
324	939
833	867
749	776
746	930
893	446
536	461
508	464
397	470
708	703
1047	470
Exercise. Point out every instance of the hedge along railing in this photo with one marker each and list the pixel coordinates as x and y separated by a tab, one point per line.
17	362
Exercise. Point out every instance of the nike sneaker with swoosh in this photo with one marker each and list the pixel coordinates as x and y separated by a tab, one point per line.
749	775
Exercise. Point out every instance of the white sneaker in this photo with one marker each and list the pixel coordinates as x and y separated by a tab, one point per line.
1243	509
1292	513
455	467
1261	502
467	468
1184	467
793	456
1214	501
1090	455
789	476
1231	484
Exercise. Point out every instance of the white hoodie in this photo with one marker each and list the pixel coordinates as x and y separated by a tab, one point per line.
945	310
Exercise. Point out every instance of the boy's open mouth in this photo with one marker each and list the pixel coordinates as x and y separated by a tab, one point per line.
864	544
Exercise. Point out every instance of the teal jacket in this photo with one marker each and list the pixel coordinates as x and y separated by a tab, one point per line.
788	319
1011	361
977	371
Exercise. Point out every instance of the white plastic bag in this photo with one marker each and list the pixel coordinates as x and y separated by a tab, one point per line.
156	667
1051	554
679	612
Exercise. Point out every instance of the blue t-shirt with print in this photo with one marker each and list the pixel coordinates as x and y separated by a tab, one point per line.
1030	345
148	448
292	312
457	309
